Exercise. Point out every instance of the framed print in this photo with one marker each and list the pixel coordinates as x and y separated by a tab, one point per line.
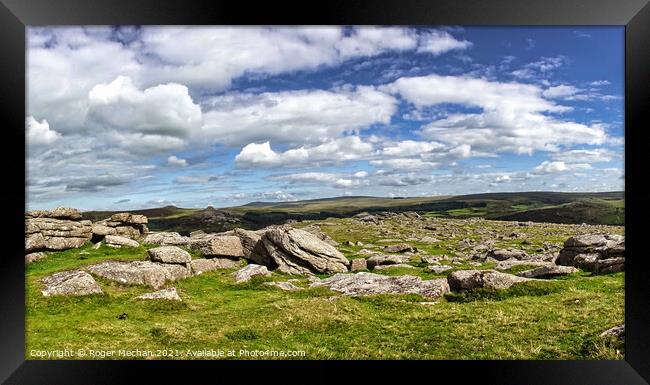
437	186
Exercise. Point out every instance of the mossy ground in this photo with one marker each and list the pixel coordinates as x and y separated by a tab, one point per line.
559	319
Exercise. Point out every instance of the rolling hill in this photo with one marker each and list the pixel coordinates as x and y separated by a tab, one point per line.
555	207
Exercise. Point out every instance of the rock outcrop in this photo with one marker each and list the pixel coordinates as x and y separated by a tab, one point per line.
203	265
167	238
253	247
226	246
597	253
127	225
296	251
55	230
363	283
74	282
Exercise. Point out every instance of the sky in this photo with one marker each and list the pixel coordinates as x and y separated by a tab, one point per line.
133	117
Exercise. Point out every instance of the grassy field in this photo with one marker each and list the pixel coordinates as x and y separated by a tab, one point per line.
558	319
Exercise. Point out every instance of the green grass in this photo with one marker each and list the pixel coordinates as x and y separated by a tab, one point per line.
553	320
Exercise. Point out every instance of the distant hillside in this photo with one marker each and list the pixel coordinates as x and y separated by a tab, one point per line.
556	207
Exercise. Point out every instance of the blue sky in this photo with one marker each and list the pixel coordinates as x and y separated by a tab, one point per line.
135	117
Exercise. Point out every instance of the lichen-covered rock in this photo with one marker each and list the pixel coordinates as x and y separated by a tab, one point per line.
33	257
245	274
358	264
140	272
169	294
400	265
203	265
57	213
116	240
299	252
363	283
399	248
46	233
475	279
438	268
75	282
253	247
219	246
384	259
510	263
315	229
548	271
288	286
586	250
503	254
166	239
169	254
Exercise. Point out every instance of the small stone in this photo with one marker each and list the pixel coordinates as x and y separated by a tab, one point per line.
165	294
250	271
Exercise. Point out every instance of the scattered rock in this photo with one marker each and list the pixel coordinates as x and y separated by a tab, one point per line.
283	285
587	250
116	240
250	271
509	263
140	272
548	271
616	332
385	259
165	294
610	265
399	248
369	283
438	268
74	282
404	265
169	254
474	279
503	254
430	259
358	264
300	252
33	257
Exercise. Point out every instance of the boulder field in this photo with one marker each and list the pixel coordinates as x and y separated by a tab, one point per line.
296	252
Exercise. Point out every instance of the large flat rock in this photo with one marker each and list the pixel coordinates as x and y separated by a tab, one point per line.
140	272
74	282
363	283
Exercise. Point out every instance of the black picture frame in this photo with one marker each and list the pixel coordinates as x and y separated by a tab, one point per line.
15	15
